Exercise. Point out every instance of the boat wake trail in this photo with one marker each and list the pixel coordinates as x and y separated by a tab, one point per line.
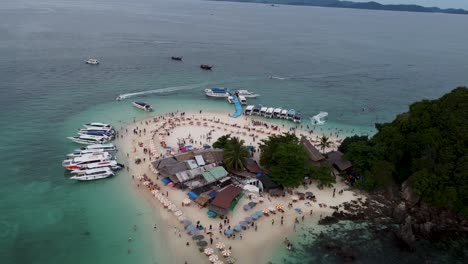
162	90
278	78
319	119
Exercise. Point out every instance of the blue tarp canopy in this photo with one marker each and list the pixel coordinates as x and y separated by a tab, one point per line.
166	180
212	214
238	107
212	194
228	232
192	195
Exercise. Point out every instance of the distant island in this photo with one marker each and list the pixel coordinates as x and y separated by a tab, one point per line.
355	5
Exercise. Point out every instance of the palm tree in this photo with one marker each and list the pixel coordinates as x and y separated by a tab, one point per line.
325	143
235	154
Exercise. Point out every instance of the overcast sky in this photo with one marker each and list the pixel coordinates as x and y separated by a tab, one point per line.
439	3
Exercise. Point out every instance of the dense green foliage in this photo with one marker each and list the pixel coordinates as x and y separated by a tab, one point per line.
428	146
321	174
235	154
284	158
222	142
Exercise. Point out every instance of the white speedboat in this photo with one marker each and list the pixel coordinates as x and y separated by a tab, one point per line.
97	125
242	100
89	139
217	92
143	106
284	114
247	94
92	61
106	147
93	174
297	117
112	164
269	112
256	110
79	162
97	132
277	112
248	110
263	110
291	114
79	152
230	99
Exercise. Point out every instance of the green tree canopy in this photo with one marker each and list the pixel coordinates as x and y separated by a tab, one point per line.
427	145
322	174
235	154
324	143
222	142
284	158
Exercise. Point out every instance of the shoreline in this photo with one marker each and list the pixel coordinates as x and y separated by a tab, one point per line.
260	246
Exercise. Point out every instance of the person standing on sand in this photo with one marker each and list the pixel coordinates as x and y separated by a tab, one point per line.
272	221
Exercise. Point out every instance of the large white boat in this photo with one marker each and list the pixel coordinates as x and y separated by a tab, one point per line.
256	110
269	112
106	147
97	125
284	114
230	99
143	106
277	112
297	117
89	139
97	132
217	92
112	164
79	162
92	61
263	110
81	152
242	100
247	94
93	174
248	110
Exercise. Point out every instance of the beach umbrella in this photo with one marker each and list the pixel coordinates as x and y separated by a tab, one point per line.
259	213
271	209
294	197
237	228
194	232
220	245
252	204
209	251
228	232
187	222
182	218
178	213
190	228
243	223
174	208
186	201
202	243
226	252
279	206
298	210
246	207
218	262
248	219
213	258
254	216
266	211
198	237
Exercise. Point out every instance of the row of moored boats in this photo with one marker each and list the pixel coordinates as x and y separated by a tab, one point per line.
272	112
96	160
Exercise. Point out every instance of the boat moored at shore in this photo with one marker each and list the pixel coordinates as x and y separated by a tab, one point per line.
89	139
248	110
217	92
109	147
93	174
242	100
79	162
247	94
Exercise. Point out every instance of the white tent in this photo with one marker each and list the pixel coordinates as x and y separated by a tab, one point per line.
251	188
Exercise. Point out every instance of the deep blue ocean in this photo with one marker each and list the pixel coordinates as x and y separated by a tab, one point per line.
360	66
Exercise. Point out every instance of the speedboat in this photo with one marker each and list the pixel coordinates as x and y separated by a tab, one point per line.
89	139
291	114
247	94
230	99
106	147
93	174
94	132
176	58
97	125
143	106
206	67
256	110
263	111
269	112
79	162
81	152
112	164
297	117
92	61
248	110
284	114
277	112
242	99
217	92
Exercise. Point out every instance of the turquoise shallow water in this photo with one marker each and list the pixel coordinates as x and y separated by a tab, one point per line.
339	61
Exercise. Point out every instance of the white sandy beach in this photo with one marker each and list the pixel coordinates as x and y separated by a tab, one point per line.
255	246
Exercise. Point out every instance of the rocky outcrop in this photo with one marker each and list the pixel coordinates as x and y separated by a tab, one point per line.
344	253
405	235
408	195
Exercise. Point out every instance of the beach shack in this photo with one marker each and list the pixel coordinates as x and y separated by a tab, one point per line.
161	163
315	157
335	158
214	174
222	202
